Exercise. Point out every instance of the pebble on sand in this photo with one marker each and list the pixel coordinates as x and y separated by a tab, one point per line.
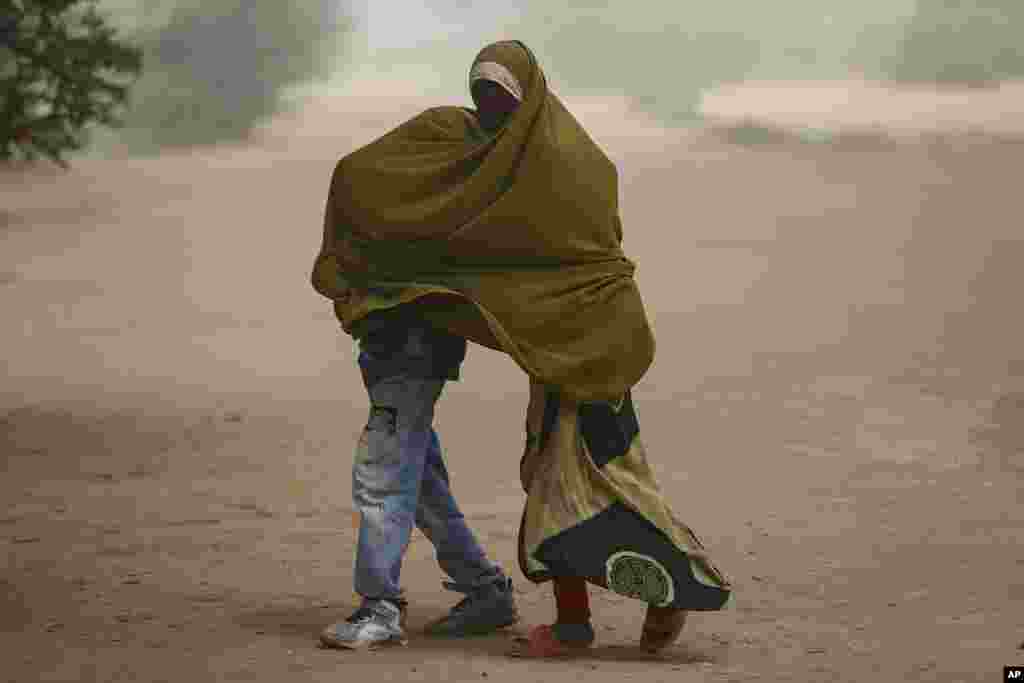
26	539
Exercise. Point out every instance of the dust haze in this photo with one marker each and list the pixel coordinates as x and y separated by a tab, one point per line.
830	260
216	69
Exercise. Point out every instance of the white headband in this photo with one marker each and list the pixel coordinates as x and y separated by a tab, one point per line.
492	71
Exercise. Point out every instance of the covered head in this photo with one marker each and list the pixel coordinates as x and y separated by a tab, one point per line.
507	63
495	87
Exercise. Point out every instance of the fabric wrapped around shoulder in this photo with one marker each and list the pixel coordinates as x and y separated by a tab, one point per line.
594	509
510	240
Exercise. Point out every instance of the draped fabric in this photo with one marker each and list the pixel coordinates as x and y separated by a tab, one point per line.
512	240
594	509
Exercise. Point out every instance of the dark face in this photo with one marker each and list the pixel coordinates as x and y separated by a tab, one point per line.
493	103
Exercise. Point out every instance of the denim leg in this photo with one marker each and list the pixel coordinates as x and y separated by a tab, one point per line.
386	478
438	516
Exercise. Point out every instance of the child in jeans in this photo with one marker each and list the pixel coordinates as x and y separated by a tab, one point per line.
399	480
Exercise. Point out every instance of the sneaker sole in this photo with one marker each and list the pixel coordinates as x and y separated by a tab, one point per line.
478	631
332	644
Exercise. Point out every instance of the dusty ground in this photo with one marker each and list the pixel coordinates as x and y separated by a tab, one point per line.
837	408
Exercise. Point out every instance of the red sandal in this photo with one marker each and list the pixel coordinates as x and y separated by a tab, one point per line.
542	643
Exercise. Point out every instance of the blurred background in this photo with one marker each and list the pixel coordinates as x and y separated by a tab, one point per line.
214	68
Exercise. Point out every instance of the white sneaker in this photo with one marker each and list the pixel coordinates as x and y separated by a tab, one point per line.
375	623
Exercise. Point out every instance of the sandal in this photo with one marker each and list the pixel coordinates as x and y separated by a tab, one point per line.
542	643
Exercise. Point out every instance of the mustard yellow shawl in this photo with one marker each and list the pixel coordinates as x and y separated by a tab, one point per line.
512	240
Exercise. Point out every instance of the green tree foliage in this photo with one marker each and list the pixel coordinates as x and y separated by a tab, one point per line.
62	69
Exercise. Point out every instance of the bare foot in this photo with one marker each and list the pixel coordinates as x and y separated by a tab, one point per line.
662	626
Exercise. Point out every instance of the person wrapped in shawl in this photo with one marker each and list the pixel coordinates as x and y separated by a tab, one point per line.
502	227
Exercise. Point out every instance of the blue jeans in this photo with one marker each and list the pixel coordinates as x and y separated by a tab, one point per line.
399	476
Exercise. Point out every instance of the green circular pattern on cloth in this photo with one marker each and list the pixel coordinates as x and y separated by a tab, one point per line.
640	577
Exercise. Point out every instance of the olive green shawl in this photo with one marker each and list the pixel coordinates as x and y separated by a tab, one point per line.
510	240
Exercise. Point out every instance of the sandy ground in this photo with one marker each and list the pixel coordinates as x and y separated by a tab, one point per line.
837	408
